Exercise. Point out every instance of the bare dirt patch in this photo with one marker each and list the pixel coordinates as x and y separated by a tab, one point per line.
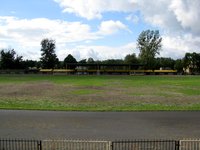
25	89
114	95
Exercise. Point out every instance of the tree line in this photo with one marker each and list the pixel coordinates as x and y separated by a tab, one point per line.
149	43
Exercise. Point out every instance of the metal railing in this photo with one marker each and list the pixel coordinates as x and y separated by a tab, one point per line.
190	144
10	144
75	145
145	145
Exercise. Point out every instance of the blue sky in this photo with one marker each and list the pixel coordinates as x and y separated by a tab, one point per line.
100	29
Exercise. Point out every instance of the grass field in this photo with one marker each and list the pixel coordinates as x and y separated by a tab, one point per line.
99	93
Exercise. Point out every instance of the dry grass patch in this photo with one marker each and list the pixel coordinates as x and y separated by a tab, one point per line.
100	93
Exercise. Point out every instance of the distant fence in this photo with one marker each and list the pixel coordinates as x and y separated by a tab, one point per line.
108	71
88	71
10	144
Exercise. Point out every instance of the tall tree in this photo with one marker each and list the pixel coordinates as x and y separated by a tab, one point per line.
10	60
149	44
49	58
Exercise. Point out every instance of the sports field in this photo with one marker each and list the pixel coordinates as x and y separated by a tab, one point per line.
99	93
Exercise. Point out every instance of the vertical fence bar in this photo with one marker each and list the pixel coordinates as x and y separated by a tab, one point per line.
14	144
40	145
9	145
177	145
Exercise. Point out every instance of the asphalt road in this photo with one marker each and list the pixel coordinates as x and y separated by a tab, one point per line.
99	125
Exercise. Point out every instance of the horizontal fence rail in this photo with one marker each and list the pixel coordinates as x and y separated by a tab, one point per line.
75	145
8	144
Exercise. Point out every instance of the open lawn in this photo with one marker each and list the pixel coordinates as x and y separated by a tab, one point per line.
99	93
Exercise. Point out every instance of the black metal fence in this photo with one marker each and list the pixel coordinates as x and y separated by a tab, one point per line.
146	145
10	144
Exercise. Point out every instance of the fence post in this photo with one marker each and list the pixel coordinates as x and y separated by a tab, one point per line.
39	145
177	145
111	145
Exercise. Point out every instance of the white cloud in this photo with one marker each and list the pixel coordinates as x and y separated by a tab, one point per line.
172	15
133	18
34	30
101	52
168	14
179	20
177	46
176	18
92	9
187	13
25	35
111	27
159	14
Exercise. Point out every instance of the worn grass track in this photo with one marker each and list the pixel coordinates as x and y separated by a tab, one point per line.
99	93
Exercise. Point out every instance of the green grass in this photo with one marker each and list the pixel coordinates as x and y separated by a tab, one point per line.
100	93
47	105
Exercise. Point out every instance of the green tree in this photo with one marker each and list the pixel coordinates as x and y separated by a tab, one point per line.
149	44
30	64
83	61
70	60
165	63
192	62
49	58
179	65
131	59
198	61
90	60
113	61
10	60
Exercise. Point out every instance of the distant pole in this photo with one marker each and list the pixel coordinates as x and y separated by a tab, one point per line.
98	69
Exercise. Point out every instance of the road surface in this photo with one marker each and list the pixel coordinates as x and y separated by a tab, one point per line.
99	125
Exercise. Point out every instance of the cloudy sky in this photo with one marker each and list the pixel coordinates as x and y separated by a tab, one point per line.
100	29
